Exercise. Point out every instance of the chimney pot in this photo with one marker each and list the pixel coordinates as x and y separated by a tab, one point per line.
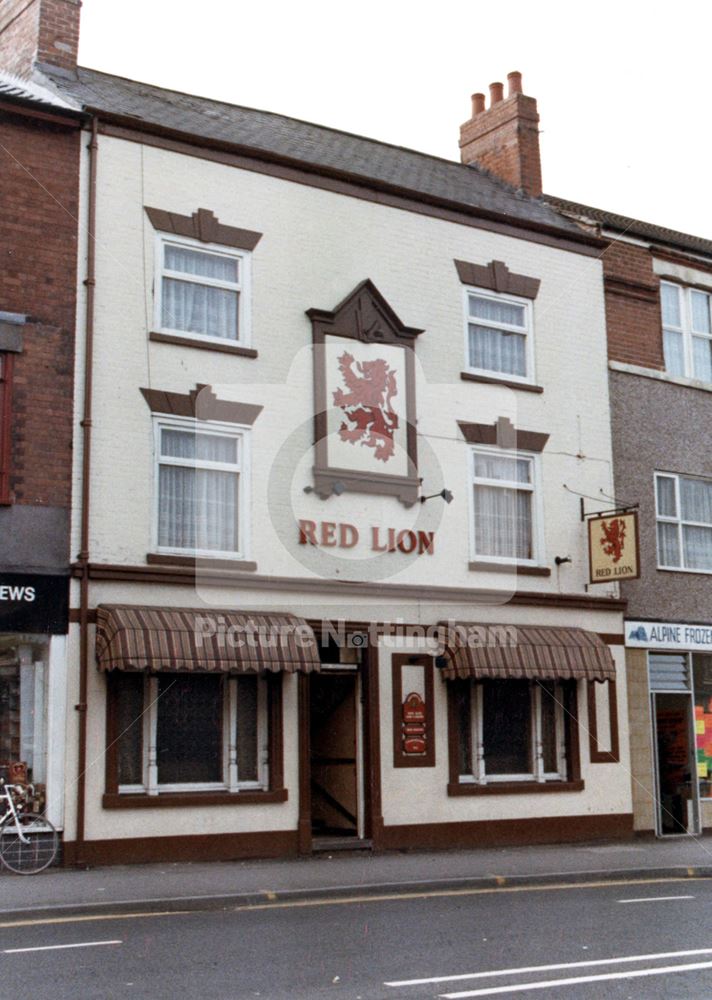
515	83
496	93
504	142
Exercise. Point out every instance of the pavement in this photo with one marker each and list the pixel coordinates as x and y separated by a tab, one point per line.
342	874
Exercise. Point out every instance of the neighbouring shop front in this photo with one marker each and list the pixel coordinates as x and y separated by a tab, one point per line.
33	628
678	665
248	733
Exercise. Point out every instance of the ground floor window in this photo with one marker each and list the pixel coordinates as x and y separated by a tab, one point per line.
702	686
23	711
180	732
512	730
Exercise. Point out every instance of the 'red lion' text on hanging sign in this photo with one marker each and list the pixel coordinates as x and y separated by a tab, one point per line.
613	548
341	535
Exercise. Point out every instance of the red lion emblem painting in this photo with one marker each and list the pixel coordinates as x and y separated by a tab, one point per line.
613	538
370	417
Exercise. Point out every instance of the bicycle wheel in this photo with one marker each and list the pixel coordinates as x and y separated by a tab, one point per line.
29	844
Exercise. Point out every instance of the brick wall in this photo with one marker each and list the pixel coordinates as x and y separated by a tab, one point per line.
633	317
38	30
39	192
504	139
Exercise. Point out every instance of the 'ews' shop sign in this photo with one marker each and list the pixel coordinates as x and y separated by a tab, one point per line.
30	602
333	535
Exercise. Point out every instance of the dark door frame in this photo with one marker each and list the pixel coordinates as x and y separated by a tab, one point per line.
369	740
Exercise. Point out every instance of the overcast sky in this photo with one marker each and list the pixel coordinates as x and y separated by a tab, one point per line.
623	86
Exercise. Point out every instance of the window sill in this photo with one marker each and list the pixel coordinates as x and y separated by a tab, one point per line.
200	562
495	567
683	569
203	345
495	380
114	800
514	787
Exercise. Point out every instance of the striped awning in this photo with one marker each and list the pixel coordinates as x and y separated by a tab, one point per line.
140	638
510	651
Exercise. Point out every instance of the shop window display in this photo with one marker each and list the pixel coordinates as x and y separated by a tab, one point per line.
702	676
23	711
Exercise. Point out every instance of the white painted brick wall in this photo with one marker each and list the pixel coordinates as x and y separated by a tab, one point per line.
316	247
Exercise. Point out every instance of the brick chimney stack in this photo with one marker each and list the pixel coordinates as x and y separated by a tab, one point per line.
504	138
38	31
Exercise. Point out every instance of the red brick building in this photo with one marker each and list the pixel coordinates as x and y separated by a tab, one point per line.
39	193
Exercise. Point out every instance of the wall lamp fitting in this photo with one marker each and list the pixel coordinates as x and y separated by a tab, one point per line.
445	494
559	560
337	488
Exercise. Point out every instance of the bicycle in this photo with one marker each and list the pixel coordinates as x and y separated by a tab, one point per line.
28	841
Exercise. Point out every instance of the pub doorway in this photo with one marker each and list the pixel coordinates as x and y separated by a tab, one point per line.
334	758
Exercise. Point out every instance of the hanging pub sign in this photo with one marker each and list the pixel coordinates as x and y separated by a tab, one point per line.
613	547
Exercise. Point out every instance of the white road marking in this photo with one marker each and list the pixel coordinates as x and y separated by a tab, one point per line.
629	974
56	947
653	899
552	968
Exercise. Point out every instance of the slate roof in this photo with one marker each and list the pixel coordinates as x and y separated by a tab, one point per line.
304	143
29	92
657	235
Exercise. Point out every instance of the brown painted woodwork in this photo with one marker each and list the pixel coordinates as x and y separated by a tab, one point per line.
508	832
202	225
196	847
202	344
276	792
400	757
304	832
611	756
373	820
503	434
180	576
482	566
185	800
573	782
497	277
364	315
456	789
200	564
493	380
202	404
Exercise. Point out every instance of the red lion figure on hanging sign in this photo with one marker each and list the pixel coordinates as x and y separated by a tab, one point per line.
613	538
367	404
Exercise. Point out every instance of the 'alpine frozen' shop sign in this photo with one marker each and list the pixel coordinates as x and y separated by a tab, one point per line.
668	635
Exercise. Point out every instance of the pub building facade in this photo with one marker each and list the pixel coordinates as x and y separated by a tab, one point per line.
335	588
658	294
40	135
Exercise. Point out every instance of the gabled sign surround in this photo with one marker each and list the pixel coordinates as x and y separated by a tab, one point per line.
364	396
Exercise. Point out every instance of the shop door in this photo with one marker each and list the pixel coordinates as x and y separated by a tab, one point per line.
333	730
677	805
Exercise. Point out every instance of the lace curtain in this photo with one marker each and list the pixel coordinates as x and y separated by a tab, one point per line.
197	507
492	349
196	307
695	505
503	515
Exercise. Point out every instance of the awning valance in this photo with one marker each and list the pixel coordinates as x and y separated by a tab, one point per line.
511	651
140	638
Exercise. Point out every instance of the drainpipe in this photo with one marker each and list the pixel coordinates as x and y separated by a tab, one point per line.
83	561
